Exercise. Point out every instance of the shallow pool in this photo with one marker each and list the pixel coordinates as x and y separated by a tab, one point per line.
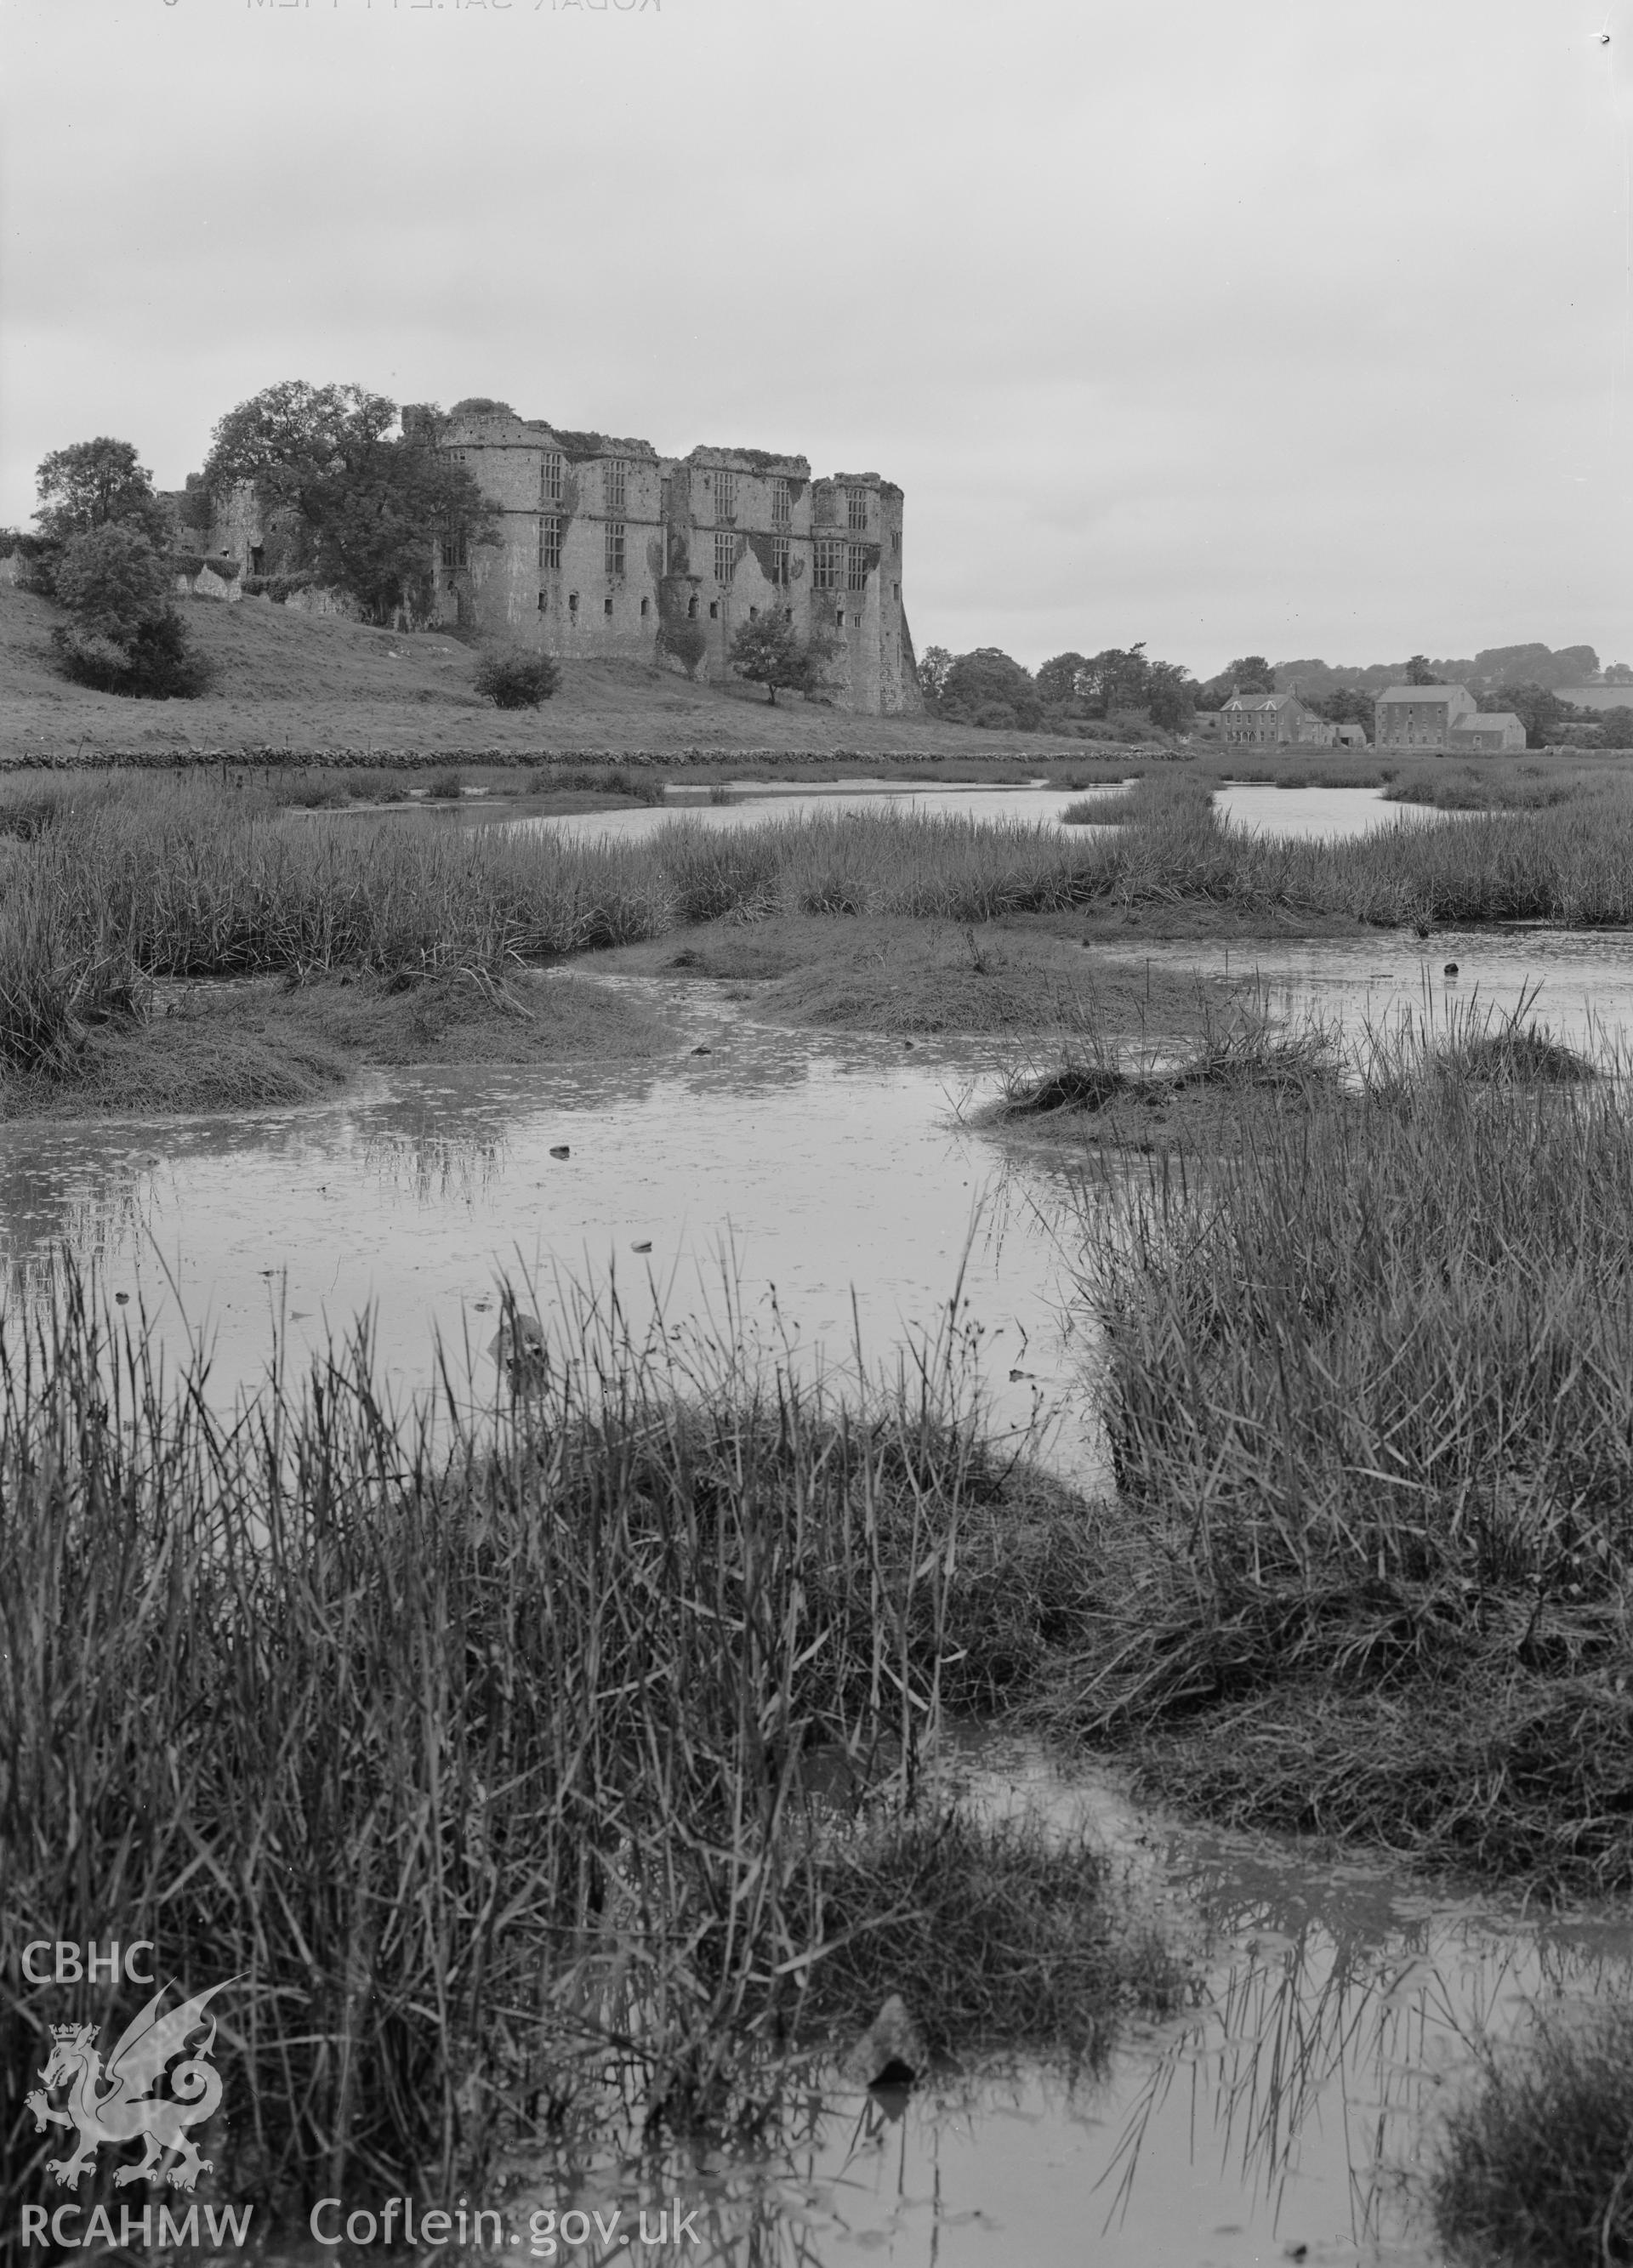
826	1184
1290	2103
1579	983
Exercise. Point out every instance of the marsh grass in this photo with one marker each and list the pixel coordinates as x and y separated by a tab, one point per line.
1237	1047
478	1749
186	877
641	784
1368	1386
1535	2166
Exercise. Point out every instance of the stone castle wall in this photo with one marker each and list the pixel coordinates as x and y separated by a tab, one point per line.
603	546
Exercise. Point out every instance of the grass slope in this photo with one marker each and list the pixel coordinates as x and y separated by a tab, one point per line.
292	681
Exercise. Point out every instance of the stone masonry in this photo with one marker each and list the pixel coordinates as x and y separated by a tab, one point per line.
603	546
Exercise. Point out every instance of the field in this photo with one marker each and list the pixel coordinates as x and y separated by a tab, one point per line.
1364	1571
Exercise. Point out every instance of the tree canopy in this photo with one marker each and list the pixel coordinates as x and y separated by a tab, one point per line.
367	509
934	664
112	578
1348	705
768	652
126	637
96	484
988	687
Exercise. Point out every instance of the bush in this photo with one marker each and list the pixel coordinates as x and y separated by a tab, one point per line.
155	663
446	786
517	680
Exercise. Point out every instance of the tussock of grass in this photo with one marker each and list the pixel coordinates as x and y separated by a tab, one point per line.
999	1941
1369	1389
480	1754
1237	1051
1536	2168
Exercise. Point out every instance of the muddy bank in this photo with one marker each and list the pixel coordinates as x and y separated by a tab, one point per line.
895	975
245	1043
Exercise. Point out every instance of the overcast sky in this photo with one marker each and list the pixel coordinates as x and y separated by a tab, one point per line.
1299	326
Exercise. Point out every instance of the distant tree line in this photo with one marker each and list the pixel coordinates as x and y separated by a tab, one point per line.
1121	694
1118	695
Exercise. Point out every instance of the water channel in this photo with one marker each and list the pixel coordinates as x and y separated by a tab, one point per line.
826	1188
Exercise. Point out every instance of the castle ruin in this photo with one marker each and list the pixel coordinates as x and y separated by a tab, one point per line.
605	548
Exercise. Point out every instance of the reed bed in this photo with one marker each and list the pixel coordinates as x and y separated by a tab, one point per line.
1368	1389
494	1758
140	878
1535	2166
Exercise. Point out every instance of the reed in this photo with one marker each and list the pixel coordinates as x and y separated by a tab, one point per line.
1367	1383
1535	2166
184	877
489	1752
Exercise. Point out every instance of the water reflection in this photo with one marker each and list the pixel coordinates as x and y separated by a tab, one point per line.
1290	2104
1580	981
1328	813
834	1174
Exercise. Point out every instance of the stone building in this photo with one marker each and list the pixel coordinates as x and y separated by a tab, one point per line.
1269	720
1487	731
605	550
1421	716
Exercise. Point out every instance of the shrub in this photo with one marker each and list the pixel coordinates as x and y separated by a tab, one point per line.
155	664
446	786
37	562
517	680
89	658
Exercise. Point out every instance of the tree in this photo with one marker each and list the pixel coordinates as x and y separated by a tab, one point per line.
1116	680
934	665
1171	695
113	580
1419	672
1060	679
768	652
97	484
367	509
126	637
1252	673
988	688
1349	705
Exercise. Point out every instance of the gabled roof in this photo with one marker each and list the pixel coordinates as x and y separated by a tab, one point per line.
1423	692
1486	717
1260	700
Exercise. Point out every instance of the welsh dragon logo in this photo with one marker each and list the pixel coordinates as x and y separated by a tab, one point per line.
127	2112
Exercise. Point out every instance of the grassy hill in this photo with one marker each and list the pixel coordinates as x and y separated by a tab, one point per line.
287	680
